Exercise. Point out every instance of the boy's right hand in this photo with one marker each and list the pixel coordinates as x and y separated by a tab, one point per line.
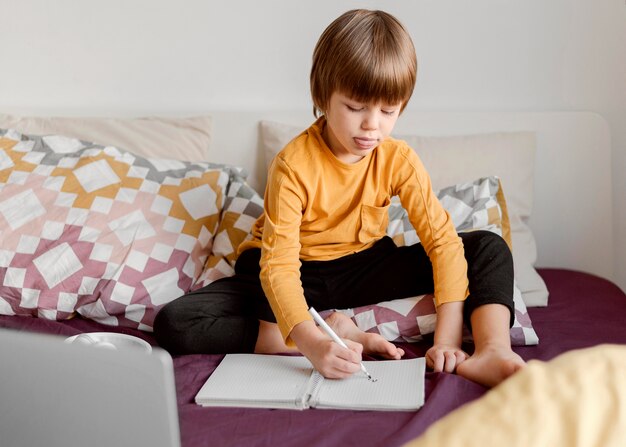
328	358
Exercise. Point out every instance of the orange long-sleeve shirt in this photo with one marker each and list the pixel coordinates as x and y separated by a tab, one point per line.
319	208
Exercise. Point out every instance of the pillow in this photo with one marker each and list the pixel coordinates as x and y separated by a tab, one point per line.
157	137
409	319
99	231
472	206
275	136
242	207
535	291
478	205
459	159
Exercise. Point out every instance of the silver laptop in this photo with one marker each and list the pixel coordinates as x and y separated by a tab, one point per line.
58	394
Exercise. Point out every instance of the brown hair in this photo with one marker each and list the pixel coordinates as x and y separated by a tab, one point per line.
365	55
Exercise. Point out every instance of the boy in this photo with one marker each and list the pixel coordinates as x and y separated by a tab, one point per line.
321	239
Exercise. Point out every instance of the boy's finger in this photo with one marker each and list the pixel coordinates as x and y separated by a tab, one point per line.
354	346
339	352
351	355
450	361
460	357
438	361
344	368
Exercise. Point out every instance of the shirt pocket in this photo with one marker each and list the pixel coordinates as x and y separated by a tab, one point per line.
374	221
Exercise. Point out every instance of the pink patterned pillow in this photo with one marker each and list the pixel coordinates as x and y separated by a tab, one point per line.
100	231
242	207
409	319
401	320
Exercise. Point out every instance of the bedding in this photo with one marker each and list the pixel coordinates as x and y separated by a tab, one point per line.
584	311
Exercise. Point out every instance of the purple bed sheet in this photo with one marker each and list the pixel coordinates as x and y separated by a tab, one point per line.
583	311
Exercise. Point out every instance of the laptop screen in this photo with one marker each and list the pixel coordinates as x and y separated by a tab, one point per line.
58	394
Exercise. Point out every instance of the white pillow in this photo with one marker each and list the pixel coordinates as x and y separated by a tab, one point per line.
155	137
508	155
457	159
535	291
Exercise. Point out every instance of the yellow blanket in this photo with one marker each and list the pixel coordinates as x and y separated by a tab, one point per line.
576	399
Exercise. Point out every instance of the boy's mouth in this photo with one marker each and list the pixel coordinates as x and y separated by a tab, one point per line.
365	143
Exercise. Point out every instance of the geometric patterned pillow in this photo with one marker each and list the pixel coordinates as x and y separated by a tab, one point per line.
100	231
522	331
409	319
472	206
242	207
477	205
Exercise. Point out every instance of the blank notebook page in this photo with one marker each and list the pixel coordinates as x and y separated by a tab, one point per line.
259	378
400	384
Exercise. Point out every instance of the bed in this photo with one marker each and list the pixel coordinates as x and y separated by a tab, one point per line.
566	301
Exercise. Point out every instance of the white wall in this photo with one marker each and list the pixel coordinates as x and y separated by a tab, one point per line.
155	56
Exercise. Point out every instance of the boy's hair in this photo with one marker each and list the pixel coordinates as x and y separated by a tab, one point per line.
365	55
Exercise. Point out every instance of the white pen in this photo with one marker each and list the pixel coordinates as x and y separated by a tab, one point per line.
319	320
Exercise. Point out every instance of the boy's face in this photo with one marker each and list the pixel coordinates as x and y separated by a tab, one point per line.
354	128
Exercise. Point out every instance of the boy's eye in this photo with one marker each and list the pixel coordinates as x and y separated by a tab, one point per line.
354	109
388	112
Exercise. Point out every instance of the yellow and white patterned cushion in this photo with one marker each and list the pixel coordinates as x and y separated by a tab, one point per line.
243	205
100	231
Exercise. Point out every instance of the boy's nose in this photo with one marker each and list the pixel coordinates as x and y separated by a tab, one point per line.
370	121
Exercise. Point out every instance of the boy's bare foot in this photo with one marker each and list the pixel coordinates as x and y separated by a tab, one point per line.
373	344
491	365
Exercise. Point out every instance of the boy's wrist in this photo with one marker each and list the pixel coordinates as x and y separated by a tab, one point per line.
305	333
449	328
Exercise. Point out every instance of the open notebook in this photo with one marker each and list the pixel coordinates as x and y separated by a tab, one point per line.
275	381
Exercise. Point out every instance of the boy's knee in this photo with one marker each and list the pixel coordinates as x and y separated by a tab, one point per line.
161	320
487	250
483	240
165	324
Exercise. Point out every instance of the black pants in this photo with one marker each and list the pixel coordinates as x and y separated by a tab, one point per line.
224	316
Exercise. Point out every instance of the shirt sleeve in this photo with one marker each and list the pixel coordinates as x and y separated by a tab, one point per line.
434	228
280	248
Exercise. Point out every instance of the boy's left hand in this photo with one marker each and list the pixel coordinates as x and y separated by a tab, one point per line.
445	358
